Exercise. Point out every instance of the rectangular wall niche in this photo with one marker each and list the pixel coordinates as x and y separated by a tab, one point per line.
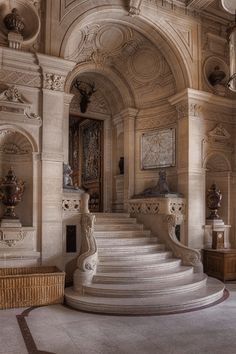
158	149
71	238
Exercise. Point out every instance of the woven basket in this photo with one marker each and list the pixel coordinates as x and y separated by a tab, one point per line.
33	286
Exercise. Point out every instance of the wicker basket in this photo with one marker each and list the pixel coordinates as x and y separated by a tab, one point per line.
24	287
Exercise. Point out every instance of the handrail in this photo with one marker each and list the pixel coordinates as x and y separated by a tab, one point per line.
189	256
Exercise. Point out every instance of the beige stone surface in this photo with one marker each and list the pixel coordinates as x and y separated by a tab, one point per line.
150	62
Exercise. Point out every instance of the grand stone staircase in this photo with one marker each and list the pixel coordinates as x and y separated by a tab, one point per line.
136	274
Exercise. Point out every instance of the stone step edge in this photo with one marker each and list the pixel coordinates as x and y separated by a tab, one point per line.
146	306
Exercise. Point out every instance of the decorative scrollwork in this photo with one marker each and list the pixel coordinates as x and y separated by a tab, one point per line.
11	239
87	261
189	256
144	207
71	205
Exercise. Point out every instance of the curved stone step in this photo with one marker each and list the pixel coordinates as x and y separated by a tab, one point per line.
130	249
142	276
121	220
163	264
126	241
135	258
111	215
187	284
122	234
117	227
161	304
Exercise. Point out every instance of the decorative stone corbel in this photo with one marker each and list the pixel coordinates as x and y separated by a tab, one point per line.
87	261
134	7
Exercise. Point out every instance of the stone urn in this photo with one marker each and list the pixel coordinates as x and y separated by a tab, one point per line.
11	191
14	22
214	197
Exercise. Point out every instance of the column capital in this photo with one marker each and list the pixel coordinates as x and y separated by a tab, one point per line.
55	71
68	98
129	113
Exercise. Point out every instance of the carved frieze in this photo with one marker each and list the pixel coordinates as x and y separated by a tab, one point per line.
168	206
144	207
17	77
186	109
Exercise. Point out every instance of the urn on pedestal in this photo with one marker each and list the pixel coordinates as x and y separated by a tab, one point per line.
11	191
214	197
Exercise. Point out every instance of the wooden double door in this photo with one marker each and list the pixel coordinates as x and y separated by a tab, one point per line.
86	159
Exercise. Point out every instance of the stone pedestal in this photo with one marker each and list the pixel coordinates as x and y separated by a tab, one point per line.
216	225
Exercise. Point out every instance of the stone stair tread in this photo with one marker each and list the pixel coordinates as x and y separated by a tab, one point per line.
136	257
104	221
141	261
138	249
118	227
157	273
126	241
152	288
171	303
122	233
112	215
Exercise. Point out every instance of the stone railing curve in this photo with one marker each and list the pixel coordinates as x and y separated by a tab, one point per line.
87	260
171	211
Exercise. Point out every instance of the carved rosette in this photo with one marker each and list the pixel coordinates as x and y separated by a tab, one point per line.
87	261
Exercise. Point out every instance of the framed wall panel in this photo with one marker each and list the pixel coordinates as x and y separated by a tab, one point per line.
158	149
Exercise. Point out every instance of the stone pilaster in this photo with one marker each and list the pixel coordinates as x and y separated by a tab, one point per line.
197	112
53	109
67	101
129	116
191	175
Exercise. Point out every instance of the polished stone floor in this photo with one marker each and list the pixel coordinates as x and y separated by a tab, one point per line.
61	330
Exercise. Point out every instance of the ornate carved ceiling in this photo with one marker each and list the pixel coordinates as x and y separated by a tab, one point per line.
127	53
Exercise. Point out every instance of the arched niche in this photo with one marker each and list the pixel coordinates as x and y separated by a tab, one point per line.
218	170
16	151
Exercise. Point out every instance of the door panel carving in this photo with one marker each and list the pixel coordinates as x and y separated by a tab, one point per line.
91	149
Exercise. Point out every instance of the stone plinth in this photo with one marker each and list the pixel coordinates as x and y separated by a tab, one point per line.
216	225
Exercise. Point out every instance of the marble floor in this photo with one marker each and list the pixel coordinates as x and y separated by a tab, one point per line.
60	330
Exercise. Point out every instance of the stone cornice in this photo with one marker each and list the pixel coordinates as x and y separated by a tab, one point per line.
54	65
202	96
